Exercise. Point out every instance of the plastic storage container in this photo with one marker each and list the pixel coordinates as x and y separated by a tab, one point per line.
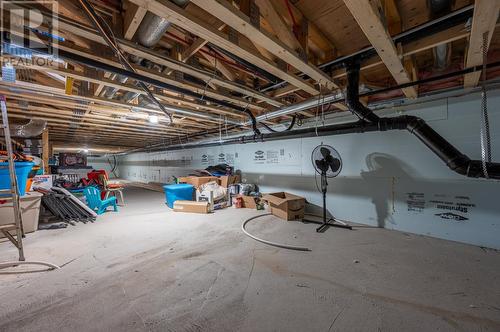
30	209
174	192
23	168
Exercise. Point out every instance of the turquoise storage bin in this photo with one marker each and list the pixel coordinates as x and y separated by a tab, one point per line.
178	192
23	168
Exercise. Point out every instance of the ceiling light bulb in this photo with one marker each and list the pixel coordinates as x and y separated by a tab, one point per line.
153	118
85	150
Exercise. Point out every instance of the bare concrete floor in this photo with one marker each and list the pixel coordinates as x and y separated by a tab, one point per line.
149	269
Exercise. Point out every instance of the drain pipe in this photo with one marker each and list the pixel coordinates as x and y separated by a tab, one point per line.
454	159
369	122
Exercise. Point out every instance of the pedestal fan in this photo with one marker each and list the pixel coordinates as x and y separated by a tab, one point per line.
327	162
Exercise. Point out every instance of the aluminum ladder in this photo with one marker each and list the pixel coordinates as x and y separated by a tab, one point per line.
14	194
13	191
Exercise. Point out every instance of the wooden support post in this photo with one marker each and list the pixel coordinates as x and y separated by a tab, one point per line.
45	151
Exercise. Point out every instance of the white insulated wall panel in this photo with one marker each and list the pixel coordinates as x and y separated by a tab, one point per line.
388	179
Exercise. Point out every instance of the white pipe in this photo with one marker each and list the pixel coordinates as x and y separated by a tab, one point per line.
16	263
274	244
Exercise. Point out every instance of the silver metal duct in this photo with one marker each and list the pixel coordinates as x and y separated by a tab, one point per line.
441	53
305	105
151	30
145	103
149	33
31	129
153	27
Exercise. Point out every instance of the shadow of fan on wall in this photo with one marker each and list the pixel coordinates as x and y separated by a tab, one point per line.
383	171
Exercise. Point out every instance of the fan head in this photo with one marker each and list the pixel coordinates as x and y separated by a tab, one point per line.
326	160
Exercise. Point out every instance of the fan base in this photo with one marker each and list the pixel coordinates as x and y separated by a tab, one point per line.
332	222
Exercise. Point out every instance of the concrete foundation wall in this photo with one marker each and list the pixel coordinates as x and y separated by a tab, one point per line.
388	179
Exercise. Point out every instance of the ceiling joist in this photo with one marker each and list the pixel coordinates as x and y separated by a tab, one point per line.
196	26
370	22
483	25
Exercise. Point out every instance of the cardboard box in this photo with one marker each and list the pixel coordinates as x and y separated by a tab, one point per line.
249	202
227	180
197	181
191	206
285	205
42	182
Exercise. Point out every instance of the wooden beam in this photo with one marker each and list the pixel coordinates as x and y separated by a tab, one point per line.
45	151
101	104
110	83
133	18
195	25
218	65
196	88
483	25
443	37
392	16
234	18
318	40
145	53
369	21
278	24
193	49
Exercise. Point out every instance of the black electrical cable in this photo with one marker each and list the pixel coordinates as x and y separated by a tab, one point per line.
290	127
431	79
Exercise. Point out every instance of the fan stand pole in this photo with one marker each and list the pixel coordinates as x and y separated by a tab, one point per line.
332	222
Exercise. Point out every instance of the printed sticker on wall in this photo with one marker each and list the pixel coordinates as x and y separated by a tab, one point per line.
230	159
415	202
222	158
451	216
457	207
204	159
259	157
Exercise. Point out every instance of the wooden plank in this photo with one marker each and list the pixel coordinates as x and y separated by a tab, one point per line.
234	18
483	22
218	65
145	53
393	17
133	18
45	151
198	27
142	123
102	103
369	21
317	38
110	83
278	24
193	49
171	80
446	36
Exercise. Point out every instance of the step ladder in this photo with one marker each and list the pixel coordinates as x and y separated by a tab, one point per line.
13	192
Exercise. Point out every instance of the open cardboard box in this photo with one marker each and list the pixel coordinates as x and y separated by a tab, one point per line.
248	202
285	205
227	180
198	181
